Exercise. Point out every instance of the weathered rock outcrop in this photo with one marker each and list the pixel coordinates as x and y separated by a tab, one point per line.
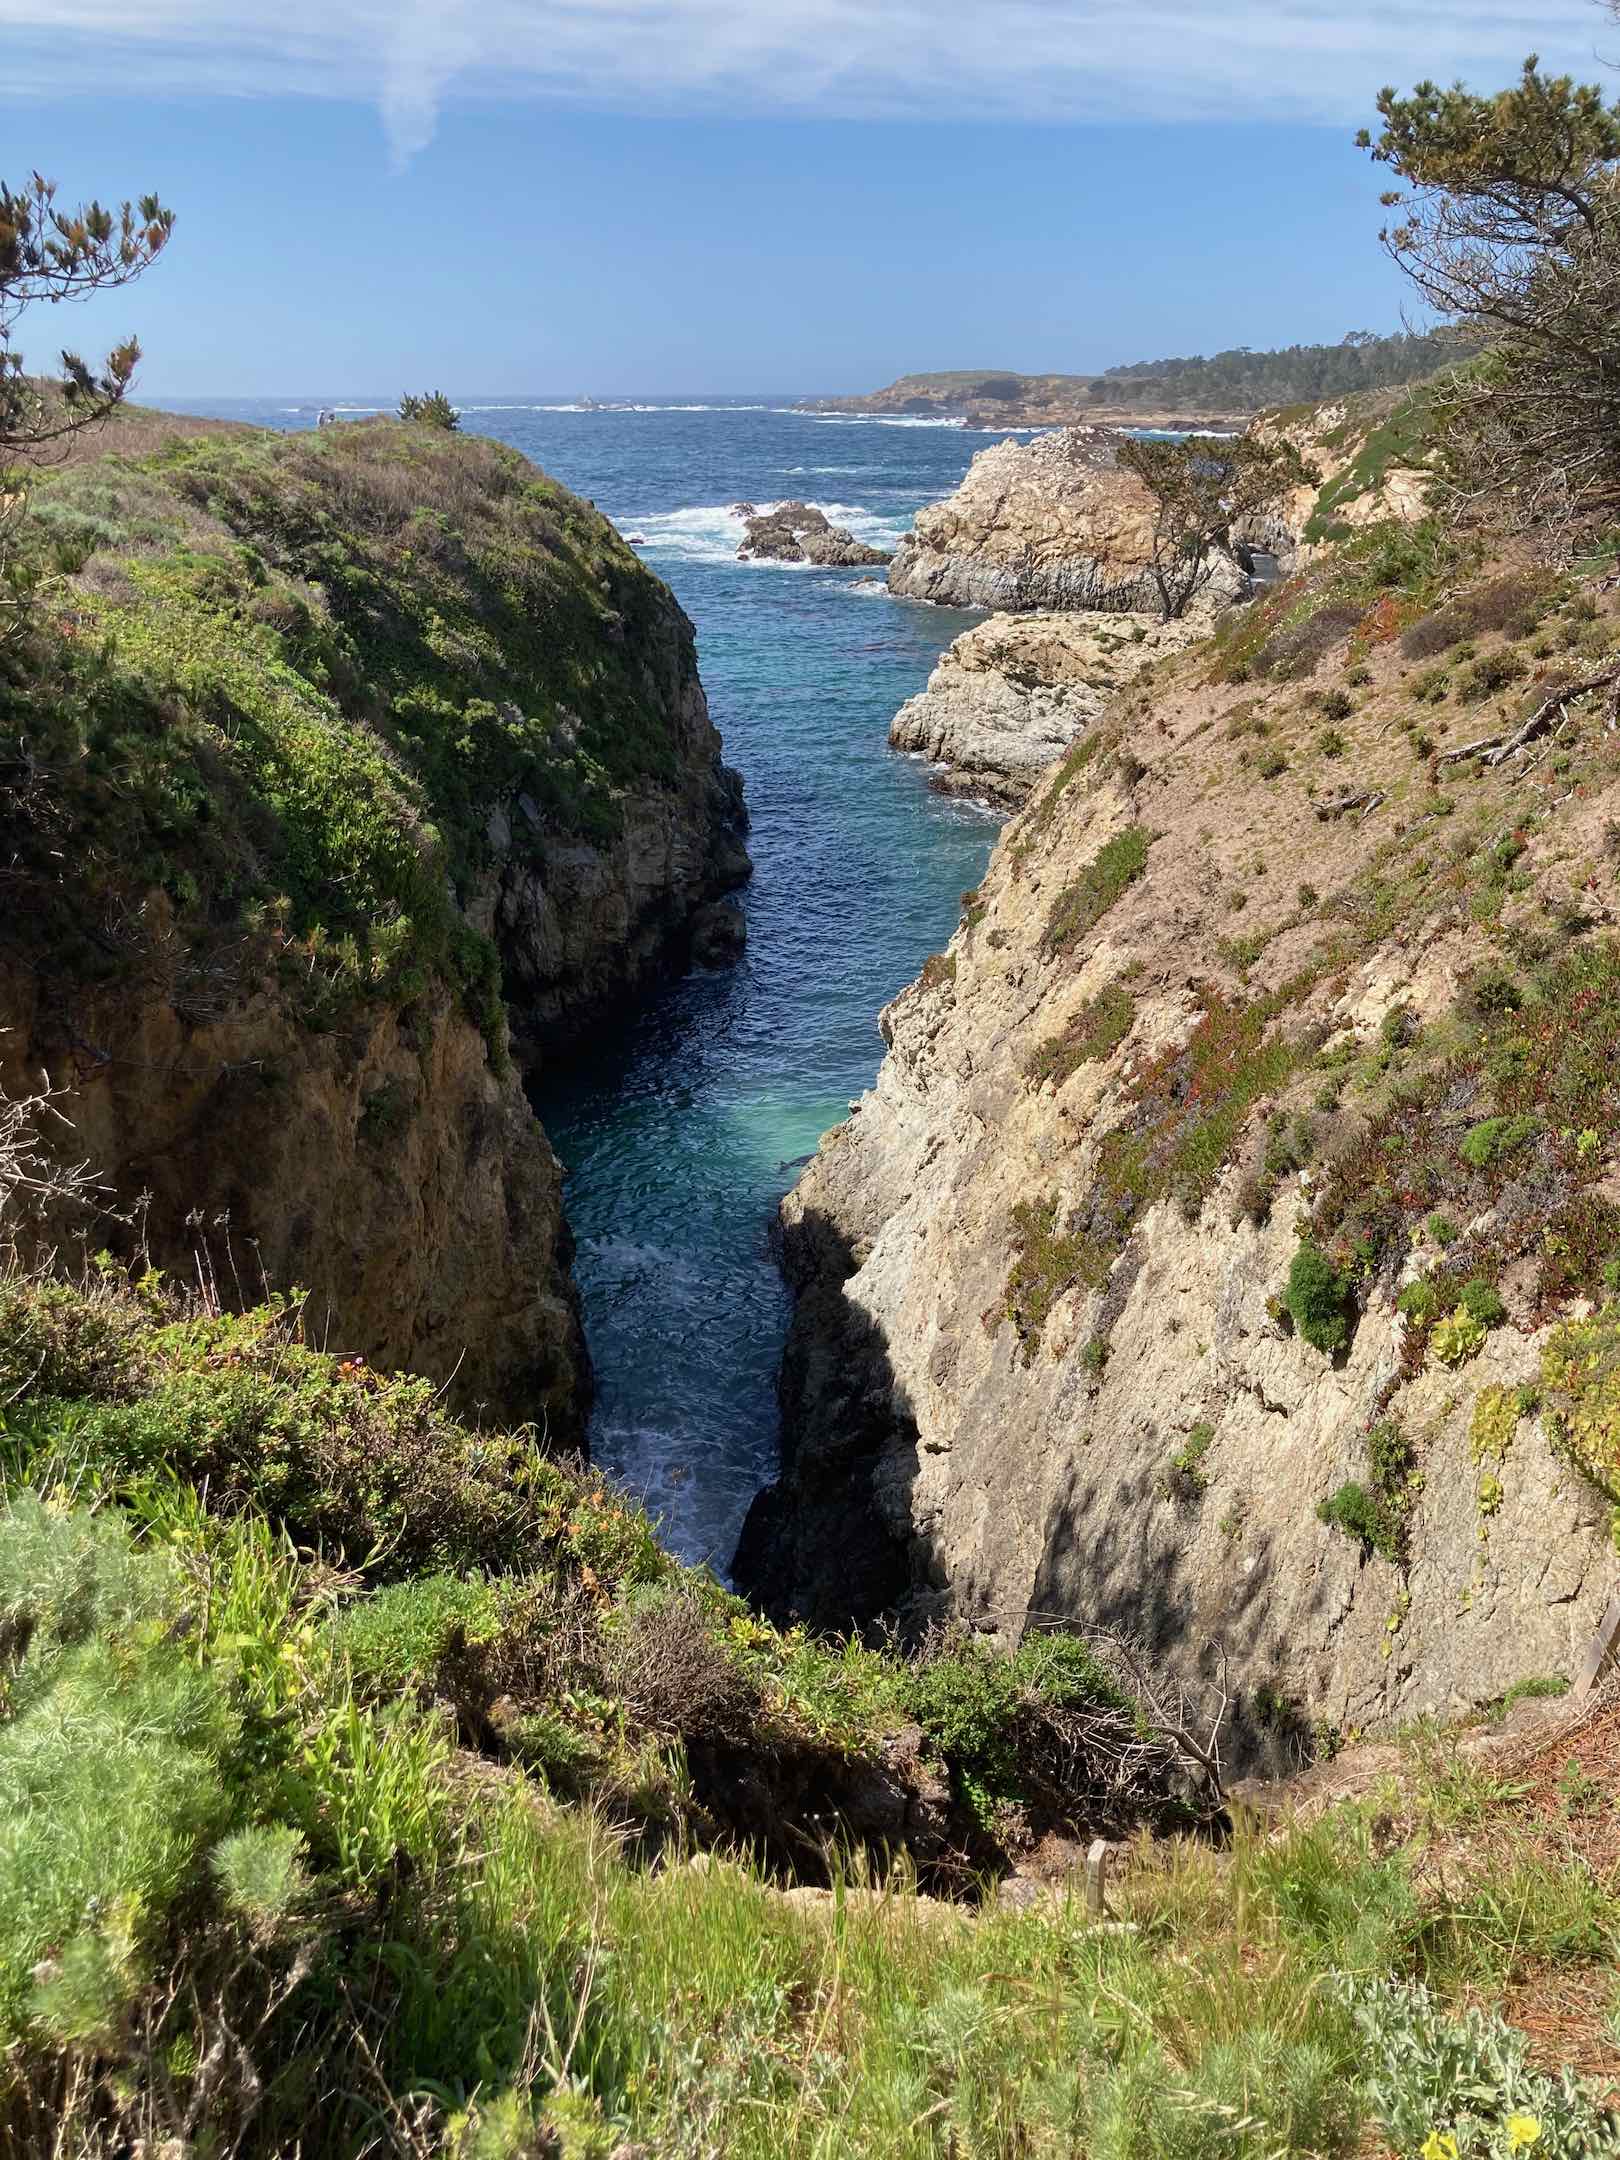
1221	992
1012	694
1369	457
385	1167
1055	523
582	922
798	532
400	765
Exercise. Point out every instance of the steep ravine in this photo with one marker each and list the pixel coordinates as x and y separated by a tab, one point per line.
397	770
1255	971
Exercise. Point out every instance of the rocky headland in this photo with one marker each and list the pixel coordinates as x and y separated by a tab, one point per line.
1017	402
794	532
1204	1260
397	771
1053	524
1011	694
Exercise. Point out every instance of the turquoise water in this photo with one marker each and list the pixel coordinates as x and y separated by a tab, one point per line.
685	1127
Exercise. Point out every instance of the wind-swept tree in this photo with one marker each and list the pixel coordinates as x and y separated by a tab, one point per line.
48	255
431	409
1203	489
1508	223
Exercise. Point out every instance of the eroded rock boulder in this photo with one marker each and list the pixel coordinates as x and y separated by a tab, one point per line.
798	532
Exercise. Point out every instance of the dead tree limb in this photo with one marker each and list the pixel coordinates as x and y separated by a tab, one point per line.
1497	749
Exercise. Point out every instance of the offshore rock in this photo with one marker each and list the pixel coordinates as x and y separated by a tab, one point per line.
797	532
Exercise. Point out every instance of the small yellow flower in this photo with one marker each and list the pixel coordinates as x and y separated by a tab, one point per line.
1523	2131
1438	2145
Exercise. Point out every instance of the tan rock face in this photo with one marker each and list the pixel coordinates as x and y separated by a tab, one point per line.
1011	694
580	926
1332	438
1051	524
935	1461
383	1167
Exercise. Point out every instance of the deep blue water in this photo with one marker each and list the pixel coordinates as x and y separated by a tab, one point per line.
682	1131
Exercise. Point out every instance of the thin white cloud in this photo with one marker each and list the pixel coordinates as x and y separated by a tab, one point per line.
1031	59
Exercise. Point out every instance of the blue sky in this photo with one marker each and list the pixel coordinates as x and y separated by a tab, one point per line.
612	196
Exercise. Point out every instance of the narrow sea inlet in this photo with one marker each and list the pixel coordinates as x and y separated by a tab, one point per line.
682	1130
681	1135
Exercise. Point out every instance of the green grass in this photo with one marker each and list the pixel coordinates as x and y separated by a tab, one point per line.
1401	439
1083	903
1095	1032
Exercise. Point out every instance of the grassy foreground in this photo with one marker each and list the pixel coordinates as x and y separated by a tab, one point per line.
323	1832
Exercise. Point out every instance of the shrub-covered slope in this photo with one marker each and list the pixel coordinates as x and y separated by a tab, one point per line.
1212	1253
332	757
352	1762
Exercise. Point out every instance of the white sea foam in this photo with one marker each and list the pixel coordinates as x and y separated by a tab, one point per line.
607	405
900	420
869	588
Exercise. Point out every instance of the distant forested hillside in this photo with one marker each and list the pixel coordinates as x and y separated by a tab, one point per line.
1295	375
1226	383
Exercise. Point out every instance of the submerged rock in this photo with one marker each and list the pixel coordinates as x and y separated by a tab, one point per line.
798	532
719	934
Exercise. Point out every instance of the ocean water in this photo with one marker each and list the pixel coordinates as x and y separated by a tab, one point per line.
684	1126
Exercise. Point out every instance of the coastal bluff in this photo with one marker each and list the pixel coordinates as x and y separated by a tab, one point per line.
1200	1262
360	772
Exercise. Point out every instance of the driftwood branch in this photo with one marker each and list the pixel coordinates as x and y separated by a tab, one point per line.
1366	800
1497	749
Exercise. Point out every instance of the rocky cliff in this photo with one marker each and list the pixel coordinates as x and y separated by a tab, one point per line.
1010	695
1054	523
1211	1256
347	767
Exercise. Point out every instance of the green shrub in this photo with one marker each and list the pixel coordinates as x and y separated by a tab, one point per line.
432	409
1185	1477
1366	1516
1067	1673
371	1467
1580	1374
1318	1297
1421	1302
1429	2077
1456	1339
1486	1143
1095	1032
398	1638
966	1699
1482	1302
111	1759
